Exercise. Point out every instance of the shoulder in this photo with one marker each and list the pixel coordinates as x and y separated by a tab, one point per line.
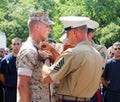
27	49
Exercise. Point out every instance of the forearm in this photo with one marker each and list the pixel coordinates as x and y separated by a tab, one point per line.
45	74
104	82
24	92
2	79
55	53
24	95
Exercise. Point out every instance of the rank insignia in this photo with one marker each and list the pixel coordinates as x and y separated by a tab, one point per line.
59	64
103	55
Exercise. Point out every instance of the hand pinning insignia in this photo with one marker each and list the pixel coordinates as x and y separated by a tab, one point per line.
59	64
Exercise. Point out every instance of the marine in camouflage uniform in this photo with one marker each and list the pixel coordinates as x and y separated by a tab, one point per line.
30	85
29	64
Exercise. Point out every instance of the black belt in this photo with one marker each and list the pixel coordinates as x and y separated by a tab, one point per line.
73	98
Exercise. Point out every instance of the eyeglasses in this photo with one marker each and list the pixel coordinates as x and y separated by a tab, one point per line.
116	48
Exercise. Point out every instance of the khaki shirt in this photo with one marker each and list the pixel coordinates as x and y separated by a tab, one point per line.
102	50
79	71
28	64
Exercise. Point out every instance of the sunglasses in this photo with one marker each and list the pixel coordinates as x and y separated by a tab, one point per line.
116	48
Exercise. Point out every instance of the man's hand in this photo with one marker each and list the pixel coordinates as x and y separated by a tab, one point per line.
46	77
45	46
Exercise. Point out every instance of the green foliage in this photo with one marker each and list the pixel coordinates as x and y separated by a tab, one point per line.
110	34
14	15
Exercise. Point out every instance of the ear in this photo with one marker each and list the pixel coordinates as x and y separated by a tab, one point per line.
36	26
75	32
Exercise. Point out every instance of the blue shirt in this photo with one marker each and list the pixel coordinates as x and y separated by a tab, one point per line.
112	74
8	67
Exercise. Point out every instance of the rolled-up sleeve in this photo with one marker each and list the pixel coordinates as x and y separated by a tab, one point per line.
26	62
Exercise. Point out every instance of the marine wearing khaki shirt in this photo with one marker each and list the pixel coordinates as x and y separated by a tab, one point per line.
29	64
76	69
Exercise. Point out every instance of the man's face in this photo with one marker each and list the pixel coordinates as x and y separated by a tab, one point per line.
44	30
2	52
70	37
16	44
90	35
116	50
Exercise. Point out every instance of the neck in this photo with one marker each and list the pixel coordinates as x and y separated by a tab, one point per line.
117	57
83	38
35	38
15	54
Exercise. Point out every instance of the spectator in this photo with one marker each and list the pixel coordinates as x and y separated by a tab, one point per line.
8	69
7	51
110	52
1	76
111	76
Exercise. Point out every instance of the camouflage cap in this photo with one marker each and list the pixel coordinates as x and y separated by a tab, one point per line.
41	16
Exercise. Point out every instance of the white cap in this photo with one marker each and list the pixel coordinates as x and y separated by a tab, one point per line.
92	24
73	21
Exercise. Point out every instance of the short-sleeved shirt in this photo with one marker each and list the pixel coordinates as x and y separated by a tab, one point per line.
112	74
8	68
29	64
79	70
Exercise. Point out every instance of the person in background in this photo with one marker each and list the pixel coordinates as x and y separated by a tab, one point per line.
29	63
111	76
92	25
7	51
76	67
110	52
2	51
1	76
9	71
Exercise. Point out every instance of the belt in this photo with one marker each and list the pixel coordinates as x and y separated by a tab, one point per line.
73	98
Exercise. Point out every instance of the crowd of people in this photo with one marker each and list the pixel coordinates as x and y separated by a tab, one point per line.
75	70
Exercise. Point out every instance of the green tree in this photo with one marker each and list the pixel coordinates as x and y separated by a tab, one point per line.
110	34
15	14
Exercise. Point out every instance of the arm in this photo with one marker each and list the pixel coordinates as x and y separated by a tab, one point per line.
23	88
2	79
54	53
46	77
104	82
46	46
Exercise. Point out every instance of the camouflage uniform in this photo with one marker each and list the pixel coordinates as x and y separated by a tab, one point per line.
29	64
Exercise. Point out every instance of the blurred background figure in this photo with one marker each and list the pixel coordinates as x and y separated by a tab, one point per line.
110	52
1	84
2	51
7	51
